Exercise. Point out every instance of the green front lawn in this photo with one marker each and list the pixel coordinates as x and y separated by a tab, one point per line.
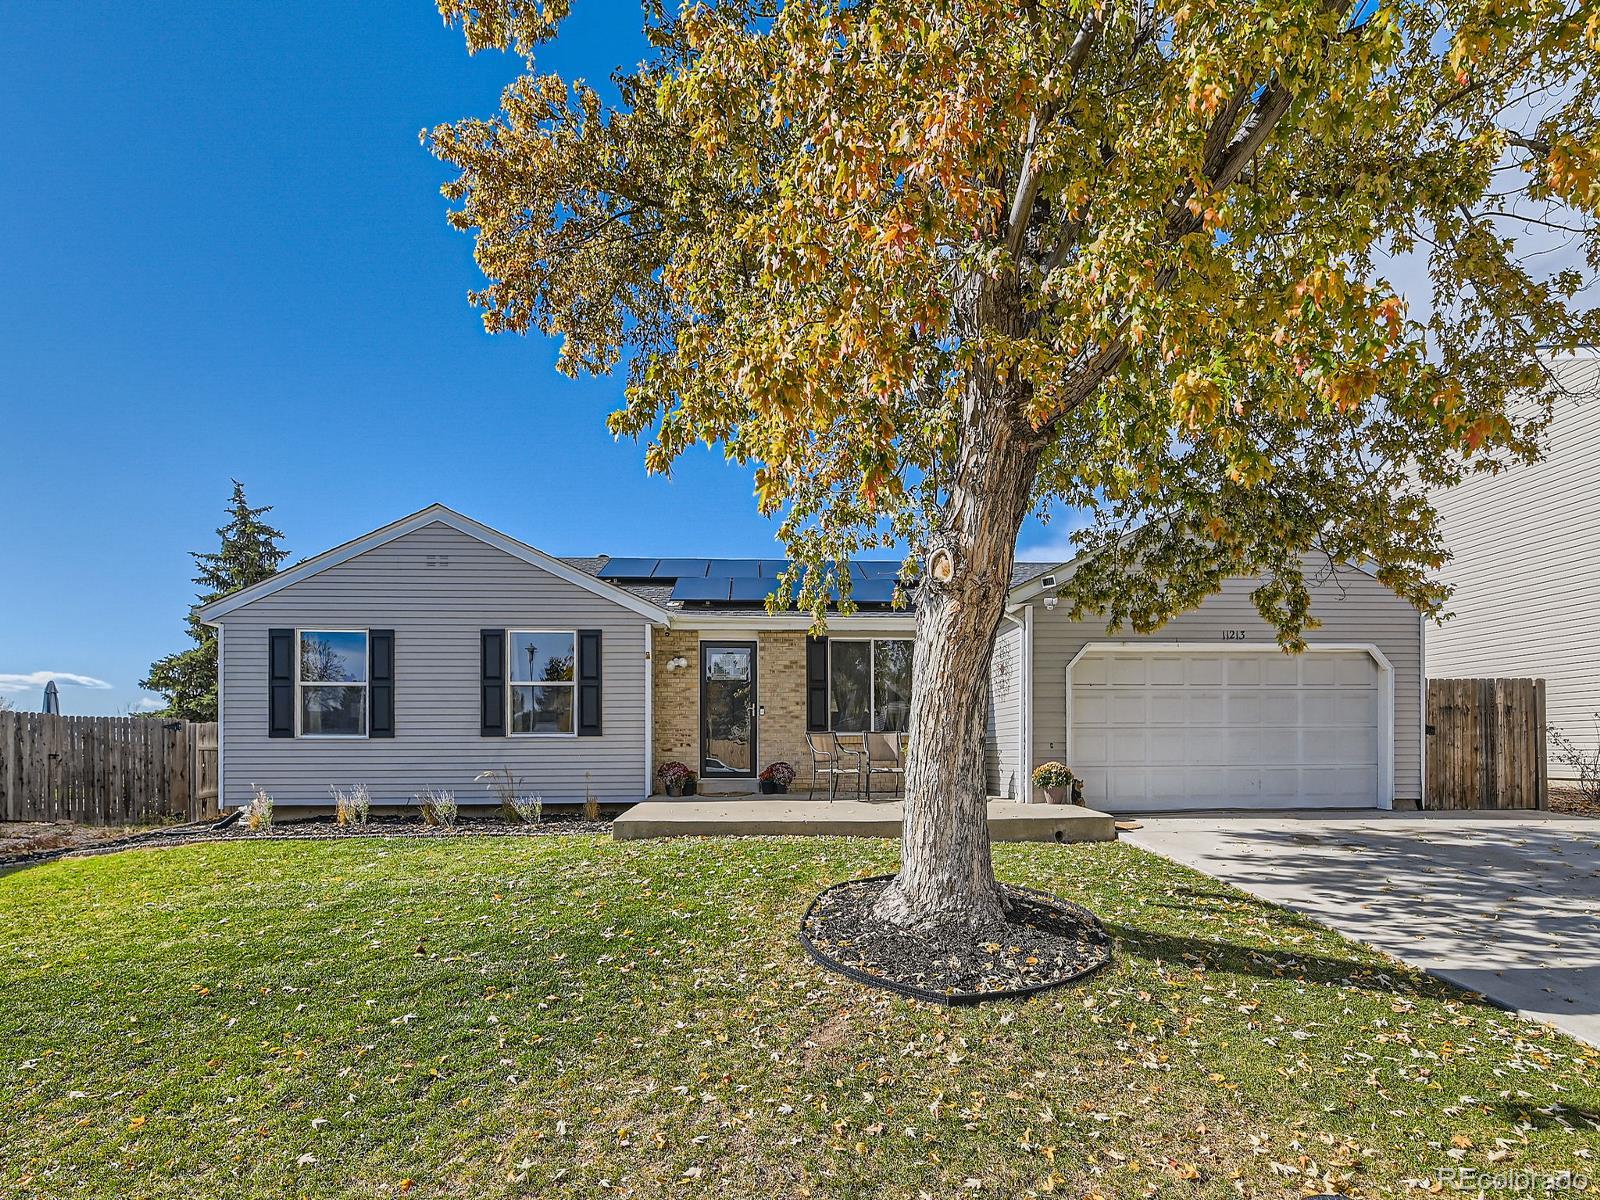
572	1016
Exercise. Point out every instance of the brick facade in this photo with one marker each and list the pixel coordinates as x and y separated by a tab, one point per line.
780	695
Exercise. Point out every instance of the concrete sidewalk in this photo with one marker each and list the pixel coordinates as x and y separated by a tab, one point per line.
1008	821
1506	904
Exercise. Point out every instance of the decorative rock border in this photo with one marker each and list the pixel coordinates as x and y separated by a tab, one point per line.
1079	943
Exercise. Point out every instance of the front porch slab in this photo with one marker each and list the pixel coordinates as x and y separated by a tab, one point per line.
1008	820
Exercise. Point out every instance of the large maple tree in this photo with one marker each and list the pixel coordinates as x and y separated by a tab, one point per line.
930	266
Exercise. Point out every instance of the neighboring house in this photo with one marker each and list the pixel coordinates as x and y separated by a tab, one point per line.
1525	566
436	648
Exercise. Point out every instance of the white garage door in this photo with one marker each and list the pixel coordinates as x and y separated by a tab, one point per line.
1226	729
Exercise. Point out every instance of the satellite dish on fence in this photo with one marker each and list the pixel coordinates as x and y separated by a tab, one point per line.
52	699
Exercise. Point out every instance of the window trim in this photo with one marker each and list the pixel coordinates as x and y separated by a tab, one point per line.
511	635
365	686
872	679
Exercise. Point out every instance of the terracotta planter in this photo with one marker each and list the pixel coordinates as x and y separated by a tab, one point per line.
1055	795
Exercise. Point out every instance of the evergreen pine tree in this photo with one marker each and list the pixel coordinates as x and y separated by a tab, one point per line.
248	554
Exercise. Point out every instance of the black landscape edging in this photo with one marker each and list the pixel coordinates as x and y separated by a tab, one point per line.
951	999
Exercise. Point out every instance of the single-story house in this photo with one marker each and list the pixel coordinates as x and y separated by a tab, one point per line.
436	648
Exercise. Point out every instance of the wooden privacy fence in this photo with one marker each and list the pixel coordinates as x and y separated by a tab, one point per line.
106	770
1486	744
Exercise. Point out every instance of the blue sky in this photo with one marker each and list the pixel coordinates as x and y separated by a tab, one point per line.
225	256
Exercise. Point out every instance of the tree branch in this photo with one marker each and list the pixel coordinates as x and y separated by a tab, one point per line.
1032	175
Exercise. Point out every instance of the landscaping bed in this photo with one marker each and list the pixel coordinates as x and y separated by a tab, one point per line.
573	1016
1570	801
19	838
231	827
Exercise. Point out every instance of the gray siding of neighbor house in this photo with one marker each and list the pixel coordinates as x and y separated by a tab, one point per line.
1001	748
436	610
1352	606
1526	567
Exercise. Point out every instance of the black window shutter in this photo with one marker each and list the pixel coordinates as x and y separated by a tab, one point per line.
492	670
816	684
380	682
280	683
588	683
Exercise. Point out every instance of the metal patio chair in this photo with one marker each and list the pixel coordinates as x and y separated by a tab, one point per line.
884	757
830	756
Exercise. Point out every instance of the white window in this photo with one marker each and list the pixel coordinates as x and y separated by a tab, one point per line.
869	684
541	677
331	677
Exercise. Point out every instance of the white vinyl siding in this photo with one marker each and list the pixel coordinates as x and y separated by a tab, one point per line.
1002	746
437	588
1526	567
1354	608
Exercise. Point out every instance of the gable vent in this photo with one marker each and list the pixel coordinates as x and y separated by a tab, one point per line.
438	560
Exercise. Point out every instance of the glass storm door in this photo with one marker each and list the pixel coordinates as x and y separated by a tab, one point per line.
728	709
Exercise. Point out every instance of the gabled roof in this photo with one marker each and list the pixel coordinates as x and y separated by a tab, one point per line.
648	598
441	515
659	591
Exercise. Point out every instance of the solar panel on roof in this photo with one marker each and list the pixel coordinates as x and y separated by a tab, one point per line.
753	591
702	589
629	568
681	568
734	568
873	591
879	570
771	568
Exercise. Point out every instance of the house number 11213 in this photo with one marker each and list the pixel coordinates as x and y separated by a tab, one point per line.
1233	635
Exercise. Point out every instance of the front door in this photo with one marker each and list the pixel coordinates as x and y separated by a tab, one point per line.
728	710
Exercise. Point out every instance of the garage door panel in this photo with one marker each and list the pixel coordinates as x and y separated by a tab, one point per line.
1127	671
1243	669
1247	707
1090	672
1127	707
1090	746
1169	706
1171	748
1224	728
1164	671
1129	746
1356	670
1089	708
1353	708
1281	670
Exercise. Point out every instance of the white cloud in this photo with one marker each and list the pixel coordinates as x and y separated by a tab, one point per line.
1052	543
146	704
37	679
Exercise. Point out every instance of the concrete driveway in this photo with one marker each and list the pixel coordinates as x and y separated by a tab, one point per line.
1506	904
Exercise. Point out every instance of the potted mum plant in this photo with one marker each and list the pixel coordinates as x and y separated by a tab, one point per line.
1058	782
675	778
775	780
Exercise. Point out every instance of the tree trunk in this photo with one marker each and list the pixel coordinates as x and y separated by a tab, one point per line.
946	880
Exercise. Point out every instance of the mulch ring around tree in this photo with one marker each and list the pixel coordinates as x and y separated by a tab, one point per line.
1044	942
